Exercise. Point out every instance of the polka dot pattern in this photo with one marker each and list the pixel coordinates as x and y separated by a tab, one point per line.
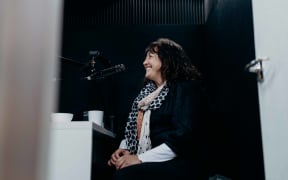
131	126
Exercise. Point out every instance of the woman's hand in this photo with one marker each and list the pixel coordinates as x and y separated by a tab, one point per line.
126	160
116	155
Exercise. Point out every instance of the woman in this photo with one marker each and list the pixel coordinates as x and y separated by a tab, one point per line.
161	135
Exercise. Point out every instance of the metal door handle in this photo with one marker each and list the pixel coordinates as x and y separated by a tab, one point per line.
255	66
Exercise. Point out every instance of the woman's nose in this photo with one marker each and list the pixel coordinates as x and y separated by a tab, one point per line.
145	62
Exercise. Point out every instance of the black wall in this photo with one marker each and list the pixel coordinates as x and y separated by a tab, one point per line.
120	30
235	117
120	44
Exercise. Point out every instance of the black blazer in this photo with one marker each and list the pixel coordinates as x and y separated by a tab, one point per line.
177	121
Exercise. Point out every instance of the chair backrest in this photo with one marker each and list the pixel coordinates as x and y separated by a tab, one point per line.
219	177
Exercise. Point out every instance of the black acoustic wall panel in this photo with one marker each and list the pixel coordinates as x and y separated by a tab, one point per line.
134	12
120	30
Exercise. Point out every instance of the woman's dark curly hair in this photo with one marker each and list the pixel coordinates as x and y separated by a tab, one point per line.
176	65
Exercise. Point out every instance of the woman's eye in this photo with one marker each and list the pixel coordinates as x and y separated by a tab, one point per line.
151	55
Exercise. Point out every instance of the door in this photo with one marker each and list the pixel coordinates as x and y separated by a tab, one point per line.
271	40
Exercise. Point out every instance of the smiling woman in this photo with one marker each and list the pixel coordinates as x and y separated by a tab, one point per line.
164	119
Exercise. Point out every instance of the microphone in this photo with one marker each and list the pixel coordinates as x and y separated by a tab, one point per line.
106	72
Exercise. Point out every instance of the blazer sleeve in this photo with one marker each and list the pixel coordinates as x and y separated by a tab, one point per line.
187	112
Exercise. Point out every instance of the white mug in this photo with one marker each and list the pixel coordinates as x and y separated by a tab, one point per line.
62	117
96	116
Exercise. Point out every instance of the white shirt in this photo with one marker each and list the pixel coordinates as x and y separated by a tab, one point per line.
157	154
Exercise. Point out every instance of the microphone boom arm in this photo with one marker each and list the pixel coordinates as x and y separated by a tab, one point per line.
106	72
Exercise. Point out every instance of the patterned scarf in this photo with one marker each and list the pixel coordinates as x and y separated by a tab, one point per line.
153	103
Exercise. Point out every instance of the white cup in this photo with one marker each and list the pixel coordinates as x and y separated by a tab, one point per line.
62	117
96	116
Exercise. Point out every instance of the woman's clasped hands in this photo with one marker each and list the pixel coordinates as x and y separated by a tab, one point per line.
122	158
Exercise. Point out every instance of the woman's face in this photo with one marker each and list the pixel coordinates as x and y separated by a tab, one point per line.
153	64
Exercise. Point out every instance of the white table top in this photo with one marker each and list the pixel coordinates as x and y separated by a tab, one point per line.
82	125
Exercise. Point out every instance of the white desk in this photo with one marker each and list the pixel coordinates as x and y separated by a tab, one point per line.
70	153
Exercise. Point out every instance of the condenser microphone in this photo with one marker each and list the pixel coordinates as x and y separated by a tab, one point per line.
106	72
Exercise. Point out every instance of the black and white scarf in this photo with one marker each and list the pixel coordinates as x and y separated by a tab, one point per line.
131	126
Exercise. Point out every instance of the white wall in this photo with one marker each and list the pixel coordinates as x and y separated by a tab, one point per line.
29	46
271	40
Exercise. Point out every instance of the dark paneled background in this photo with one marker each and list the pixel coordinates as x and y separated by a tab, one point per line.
120	31
135	12
219	45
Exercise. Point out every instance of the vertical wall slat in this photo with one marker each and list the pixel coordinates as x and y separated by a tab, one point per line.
145	12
